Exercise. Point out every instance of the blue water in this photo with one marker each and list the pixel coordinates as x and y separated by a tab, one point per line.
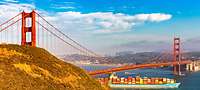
191	81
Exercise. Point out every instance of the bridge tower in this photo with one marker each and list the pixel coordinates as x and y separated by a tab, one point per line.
28	18
176	56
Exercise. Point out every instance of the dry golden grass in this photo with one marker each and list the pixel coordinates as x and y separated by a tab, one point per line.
29	68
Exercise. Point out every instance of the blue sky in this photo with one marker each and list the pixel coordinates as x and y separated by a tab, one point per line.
109	26
180	8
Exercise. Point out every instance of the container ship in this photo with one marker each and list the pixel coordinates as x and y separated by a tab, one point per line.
139	83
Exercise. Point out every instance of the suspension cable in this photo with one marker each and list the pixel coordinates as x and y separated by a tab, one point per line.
68	37
10	25
60	37
10	19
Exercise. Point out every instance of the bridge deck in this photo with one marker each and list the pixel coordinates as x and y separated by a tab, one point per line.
130	67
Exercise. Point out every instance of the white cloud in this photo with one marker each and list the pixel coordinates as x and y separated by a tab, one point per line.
63	5
108	22
9	10
11	1
154	17
68	7
69	2
97	22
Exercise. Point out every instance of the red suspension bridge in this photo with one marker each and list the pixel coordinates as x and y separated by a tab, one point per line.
34	30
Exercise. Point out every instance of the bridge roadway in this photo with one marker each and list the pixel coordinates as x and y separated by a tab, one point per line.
130	67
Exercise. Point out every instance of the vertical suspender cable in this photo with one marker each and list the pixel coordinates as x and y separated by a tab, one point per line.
80	46
42	37
38	36
50	42
11	35
6	35
47	39
1	35
17	31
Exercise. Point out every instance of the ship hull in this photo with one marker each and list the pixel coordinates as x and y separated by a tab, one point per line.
148	86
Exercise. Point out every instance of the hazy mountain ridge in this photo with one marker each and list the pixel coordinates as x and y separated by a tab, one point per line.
133	58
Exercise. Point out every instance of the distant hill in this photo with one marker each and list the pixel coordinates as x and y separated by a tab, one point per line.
150	57
134	58
29	68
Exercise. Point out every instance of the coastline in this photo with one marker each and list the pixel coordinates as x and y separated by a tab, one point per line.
109	65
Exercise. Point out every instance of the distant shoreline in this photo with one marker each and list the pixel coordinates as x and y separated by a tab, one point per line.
110	65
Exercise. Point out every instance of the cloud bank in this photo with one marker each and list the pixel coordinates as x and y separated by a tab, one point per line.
108	22
96	22
86	25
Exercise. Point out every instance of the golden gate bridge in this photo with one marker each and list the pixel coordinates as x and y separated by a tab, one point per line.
34	30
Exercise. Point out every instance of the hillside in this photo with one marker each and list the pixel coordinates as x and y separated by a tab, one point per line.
29	68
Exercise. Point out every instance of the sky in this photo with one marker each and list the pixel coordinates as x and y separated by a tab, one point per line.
110	26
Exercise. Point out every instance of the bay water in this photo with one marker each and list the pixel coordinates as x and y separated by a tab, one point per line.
191	81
